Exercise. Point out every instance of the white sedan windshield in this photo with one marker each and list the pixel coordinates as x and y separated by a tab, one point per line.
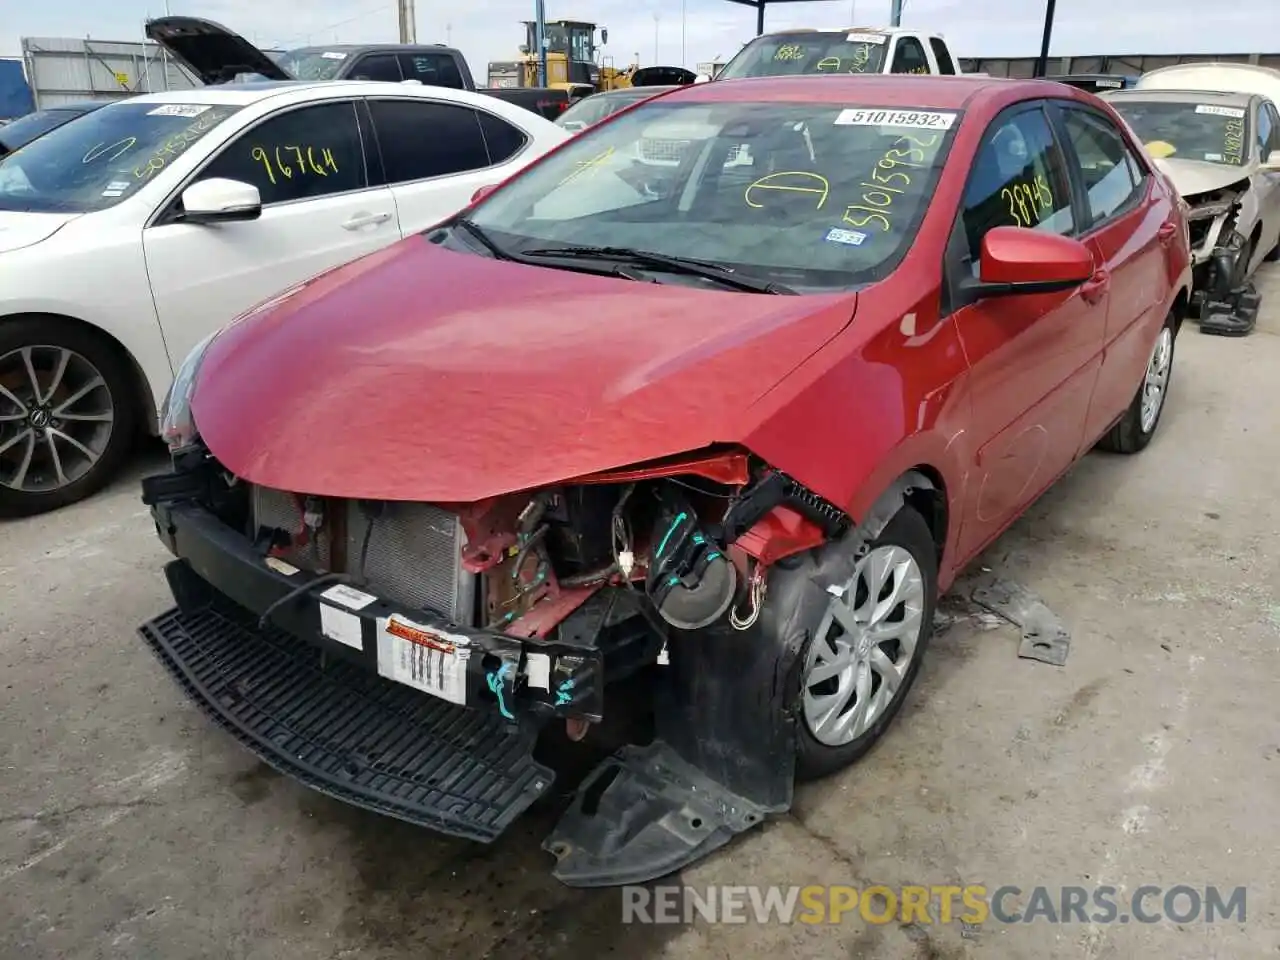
97	160
810	195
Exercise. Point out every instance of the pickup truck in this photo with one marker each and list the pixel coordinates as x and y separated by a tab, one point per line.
216	55
847	50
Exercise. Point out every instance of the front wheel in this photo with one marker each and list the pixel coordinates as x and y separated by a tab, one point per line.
865	653
67	417
1139	423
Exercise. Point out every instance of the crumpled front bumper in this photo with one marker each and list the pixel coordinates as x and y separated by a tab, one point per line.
318	710
317	702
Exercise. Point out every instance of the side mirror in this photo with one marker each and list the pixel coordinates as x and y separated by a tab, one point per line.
483	192
574	126
523	48
1017	261
701	78
220	201
604	36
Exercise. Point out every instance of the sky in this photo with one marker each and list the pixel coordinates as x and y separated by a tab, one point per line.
490	29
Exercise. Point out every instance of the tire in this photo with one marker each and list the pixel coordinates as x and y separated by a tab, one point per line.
905	535
1131	435
103	419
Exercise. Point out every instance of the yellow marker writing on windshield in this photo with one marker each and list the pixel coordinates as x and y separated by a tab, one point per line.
890	178
174	146
789	181
789	51
827	63
115	149
1233	142
588	166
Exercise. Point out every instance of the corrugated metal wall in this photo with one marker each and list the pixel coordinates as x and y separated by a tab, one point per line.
1127	64
64	70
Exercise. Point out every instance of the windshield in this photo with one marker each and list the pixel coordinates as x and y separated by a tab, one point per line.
1188	130
810	195
787	54
25	129
97	160
312	63
592	110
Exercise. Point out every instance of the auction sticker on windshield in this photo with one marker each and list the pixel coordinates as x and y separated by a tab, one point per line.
424	658
178	110
1217	111
909	119
866	38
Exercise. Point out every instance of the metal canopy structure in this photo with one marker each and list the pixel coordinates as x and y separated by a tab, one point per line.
760	6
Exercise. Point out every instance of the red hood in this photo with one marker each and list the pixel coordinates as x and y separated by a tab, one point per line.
417	373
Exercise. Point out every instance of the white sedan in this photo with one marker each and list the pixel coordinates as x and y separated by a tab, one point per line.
130	234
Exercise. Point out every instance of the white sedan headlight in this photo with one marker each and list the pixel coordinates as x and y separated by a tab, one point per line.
177	426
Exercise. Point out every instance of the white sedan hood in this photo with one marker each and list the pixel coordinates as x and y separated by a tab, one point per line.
1198	176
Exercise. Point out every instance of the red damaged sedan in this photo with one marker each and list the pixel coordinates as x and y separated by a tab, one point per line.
718	397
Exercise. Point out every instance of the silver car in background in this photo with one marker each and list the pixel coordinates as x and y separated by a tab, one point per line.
1221	150
589	111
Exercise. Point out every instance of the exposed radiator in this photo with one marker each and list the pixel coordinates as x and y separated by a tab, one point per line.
413	556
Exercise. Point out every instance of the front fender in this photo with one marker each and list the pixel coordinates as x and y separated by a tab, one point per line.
854	419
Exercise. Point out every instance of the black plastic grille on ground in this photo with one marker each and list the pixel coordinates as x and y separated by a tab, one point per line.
347	732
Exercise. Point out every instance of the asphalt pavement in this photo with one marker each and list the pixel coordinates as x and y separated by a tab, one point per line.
131	827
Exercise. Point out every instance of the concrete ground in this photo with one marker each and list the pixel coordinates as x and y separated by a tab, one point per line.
130	827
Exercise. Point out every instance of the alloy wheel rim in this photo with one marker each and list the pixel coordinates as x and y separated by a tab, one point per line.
1156	382
56	418
864	646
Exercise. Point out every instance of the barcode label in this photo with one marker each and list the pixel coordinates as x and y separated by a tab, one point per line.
424	658
911	119
1217	111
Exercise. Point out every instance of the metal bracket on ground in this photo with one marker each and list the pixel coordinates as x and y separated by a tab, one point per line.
1044	637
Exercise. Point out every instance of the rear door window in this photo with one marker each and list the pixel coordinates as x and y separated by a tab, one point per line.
425	138
432	69
942	55
503	140
1103	161
377	66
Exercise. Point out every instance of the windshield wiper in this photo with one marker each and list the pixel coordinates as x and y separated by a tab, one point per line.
486	241
489	244
662	261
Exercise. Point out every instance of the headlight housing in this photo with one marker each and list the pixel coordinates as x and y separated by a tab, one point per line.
177	426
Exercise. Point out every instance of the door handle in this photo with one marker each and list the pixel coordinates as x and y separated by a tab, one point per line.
1167	232
365	219
1096	287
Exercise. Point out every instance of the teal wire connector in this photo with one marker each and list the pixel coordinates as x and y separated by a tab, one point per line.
564	692
495	679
